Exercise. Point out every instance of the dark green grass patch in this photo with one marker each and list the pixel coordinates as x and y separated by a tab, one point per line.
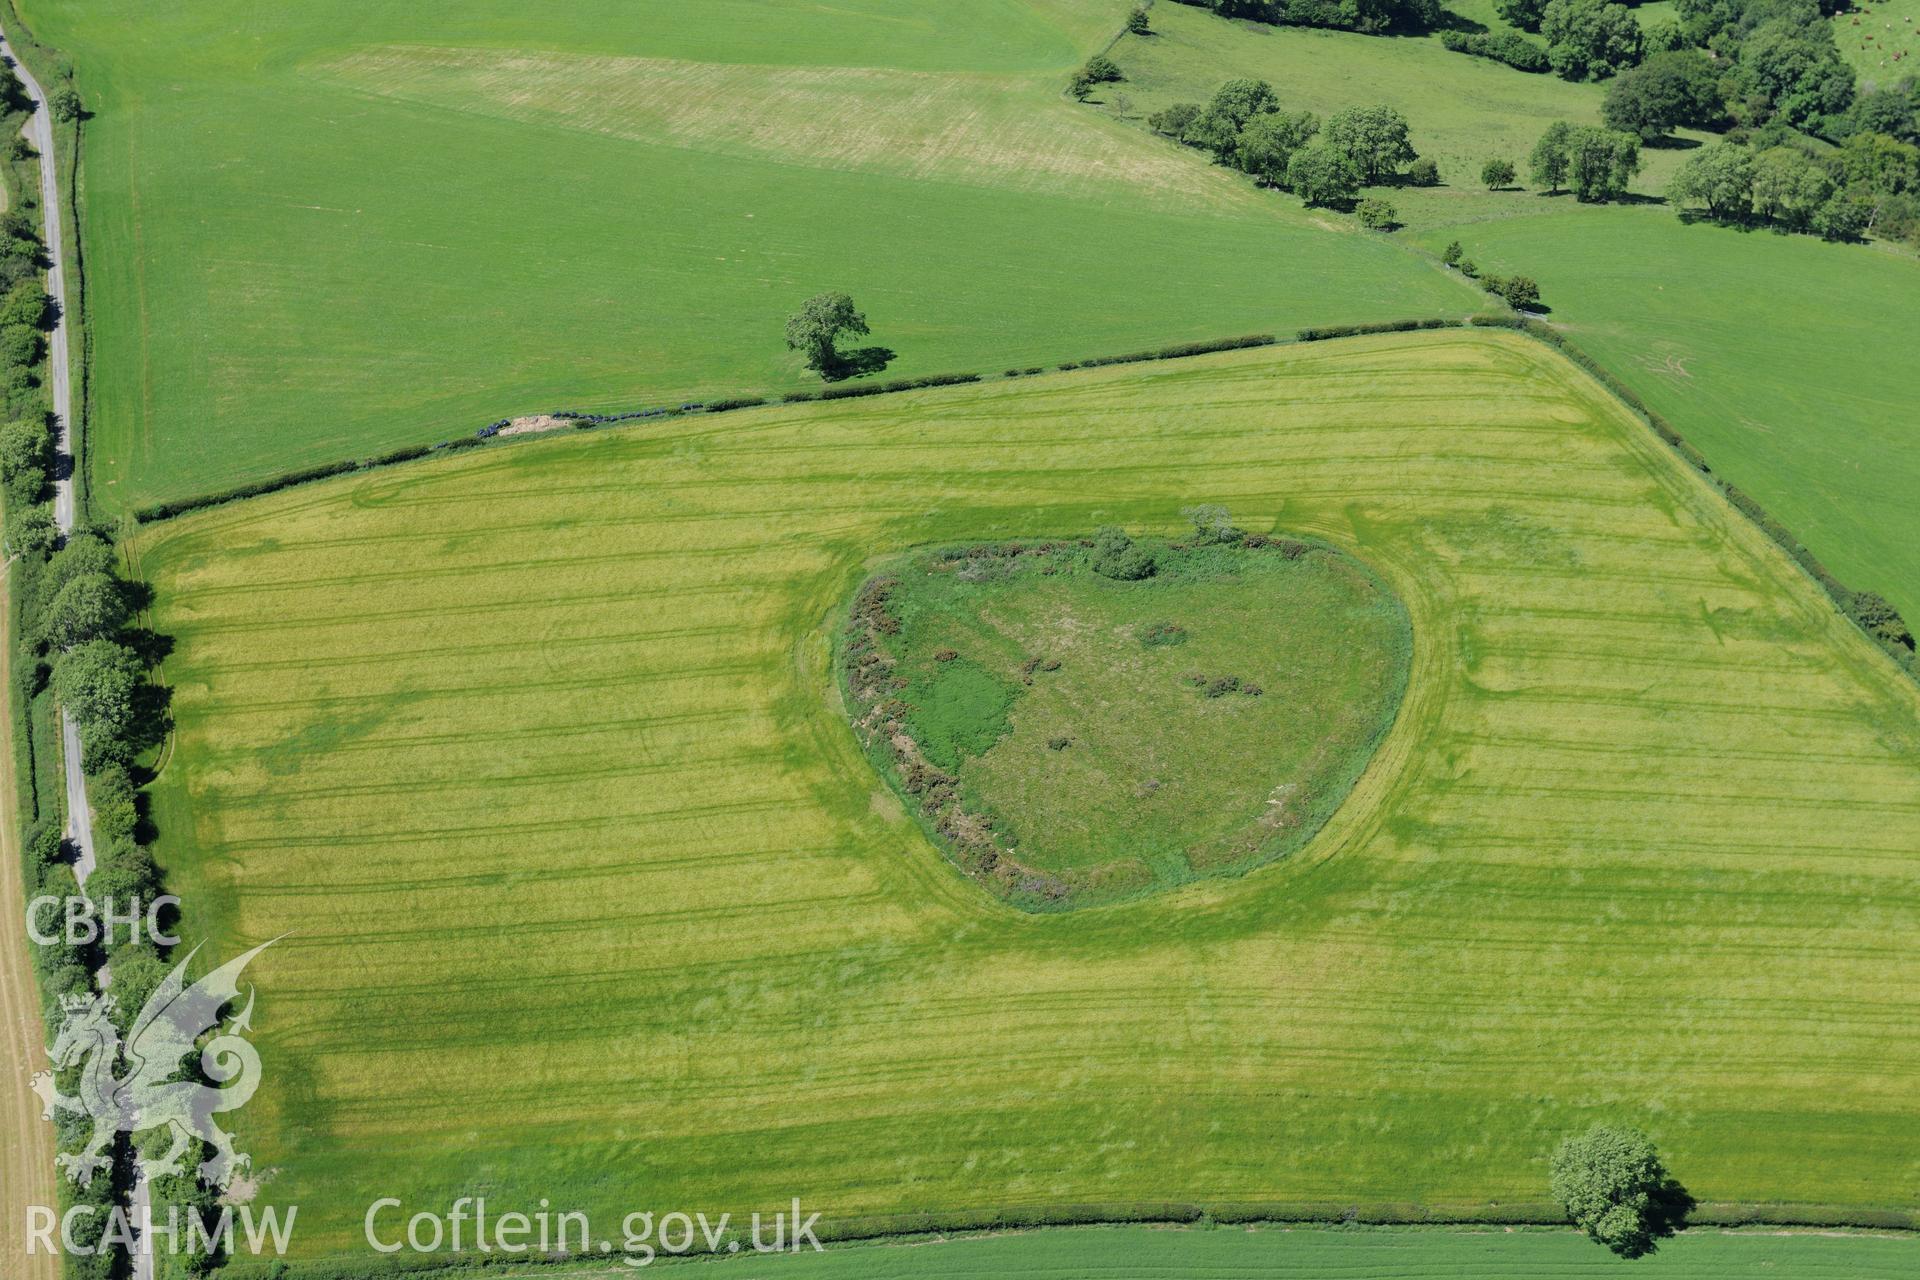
1149	1253
1072	735
959	709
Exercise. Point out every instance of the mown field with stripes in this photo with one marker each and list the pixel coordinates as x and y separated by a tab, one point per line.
591	896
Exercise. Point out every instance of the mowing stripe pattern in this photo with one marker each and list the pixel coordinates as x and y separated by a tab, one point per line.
593	897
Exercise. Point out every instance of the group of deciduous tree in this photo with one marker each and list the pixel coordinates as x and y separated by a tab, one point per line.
1748	62
1871	183
1752	60
1594	163
1324	163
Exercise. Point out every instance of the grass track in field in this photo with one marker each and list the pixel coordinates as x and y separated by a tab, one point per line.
1146	1253
334	228
594	899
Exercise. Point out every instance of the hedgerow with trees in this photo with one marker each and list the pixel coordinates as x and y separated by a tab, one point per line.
1870	184
1370	16
75	646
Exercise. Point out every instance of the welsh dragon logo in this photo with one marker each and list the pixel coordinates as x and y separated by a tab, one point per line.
146	1094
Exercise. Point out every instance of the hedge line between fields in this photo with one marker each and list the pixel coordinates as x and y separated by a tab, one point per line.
1872	613
1147	1213
1869	611
581	420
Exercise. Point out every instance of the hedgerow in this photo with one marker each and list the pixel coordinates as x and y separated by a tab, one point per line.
1516	51
1323	332
72	645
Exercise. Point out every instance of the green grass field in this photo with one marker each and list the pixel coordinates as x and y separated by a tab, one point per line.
535	753
1784	359
1145	1253
327	229
1088	739
1894	26
1787	360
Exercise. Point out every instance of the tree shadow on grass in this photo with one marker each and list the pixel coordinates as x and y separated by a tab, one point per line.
1451	21
151	647
859	363
152	717
1689	217
1666	1214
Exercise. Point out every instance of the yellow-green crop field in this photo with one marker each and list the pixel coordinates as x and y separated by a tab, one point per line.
534	752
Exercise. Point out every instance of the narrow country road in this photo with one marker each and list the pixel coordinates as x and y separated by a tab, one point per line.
39	132
79	833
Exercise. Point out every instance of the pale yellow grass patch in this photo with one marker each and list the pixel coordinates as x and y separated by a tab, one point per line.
985	130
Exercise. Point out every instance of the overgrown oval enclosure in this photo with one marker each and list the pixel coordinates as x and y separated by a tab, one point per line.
1075	721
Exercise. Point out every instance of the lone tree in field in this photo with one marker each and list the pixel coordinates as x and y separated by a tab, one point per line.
816	327
1137	23
1099	69
1497	174
1612	1184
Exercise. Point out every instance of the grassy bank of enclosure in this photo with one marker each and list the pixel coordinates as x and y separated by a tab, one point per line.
328	230
592	896
1078	723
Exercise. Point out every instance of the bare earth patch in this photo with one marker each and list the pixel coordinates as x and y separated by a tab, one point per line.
537	422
